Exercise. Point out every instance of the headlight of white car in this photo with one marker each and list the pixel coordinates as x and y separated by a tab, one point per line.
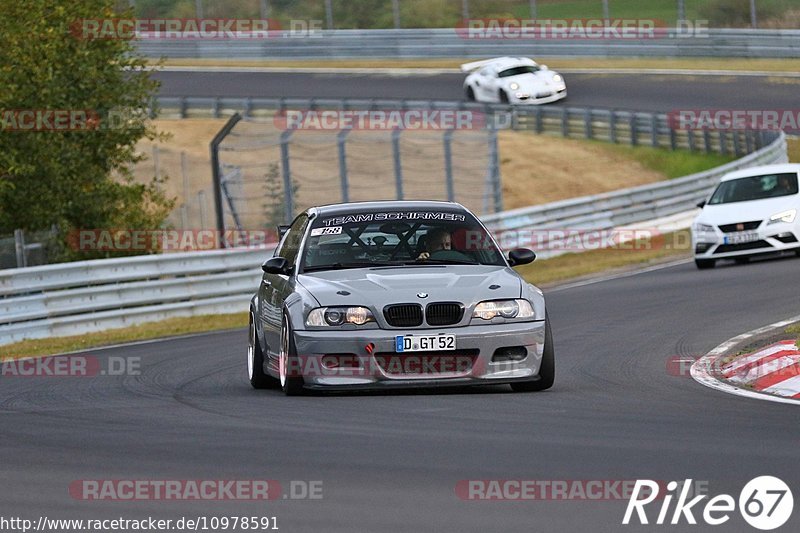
557	78
504	308
336	316
785	216
703	227
513	86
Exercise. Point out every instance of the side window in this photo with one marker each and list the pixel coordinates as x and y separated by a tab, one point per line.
290	245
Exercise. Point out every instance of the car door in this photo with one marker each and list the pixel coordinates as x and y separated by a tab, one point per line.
485	85
275	288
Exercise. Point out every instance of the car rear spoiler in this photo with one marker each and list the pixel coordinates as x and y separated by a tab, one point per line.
475	65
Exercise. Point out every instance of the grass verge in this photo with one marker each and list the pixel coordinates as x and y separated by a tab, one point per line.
794	330
612	64
673	164
793	149
659	248
149	330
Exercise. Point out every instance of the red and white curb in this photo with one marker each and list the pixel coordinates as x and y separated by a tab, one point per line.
772	373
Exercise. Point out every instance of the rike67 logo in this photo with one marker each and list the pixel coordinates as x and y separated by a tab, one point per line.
765	503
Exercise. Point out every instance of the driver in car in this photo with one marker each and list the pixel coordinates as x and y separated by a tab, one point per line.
436	239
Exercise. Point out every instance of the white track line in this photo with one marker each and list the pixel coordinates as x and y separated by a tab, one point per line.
399	71
701	369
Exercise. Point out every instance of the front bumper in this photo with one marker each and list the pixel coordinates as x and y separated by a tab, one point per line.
532	99
471	363
766	239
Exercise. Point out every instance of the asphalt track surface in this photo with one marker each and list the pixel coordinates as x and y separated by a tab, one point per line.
638	92
391	462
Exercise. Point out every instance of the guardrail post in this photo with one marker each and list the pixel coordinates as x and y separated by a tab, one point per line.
19	248
288	193
673	140
183	105
707	140
748	139
248	107
341	140
448	164
216	170
494	171
215	108
690	139
654	130
737	144
539	120
634	130
398	165
612	126
723	142
587	123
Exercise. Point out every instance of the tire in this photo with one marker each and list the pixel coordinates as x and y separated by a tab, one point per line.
255	361
742	260
547	370
470	94
291	385
503	97
704	264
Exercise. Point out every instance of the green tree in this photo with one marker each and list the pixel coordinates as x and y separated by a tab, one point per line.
73	179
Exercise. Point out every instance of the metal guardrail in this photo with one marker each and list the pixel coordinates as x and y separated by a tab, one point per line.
76	298
450	42
618	208
616	126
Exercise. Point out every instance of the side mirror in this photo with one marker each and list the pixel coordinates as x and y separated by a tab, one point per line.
521	256
543	67
282	229
276	265
701	204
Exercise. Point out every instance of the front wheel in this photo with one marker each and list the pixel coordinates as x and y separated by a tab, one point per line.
470	94
503	97
547	369
289	371
704	264
255	361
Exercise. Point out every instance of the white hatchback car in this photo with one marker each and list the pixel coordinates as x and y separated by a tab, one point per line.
752	211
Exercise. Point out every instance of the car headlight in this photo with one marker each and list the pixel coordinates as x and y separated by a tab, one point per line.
503	308
336	316
703	227
514	86
785	216
557	78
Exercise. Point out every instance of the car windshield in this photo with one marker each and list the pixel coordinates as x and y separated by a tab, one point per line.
375	239
755	188
516	71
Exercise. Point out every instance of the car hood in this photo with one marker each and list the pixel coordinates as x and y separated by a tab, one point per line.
746	211
530	81
378	287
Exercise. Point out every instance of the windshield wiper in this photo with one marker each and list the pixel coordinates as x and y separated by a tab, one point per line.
445	262
340	266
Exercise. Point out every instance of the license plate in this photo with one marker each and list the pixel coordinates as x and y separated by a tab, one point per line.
424	343
741	237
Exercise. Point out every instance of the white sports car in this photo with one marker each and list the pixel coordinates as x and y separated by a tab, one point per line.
512	80
752	211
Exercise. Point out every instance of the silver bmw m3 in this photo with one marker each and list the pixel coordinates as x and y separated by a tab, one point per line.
400	294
